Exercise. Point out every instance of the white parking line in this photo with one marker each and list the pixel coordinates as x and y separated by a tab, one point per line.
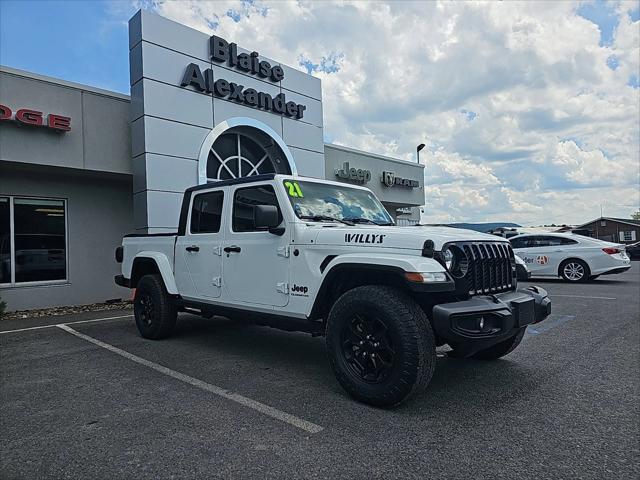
583	296
69	323
247	402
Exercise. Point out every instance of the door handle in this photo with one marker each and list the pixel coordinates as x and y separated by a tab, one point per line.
232	248
193	248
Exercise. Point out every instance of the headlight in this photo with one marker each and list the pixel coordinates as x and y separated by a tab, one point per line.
448	258
456	261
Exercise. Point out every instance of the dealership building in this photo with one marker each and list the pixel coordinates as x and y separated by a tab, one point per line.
80	167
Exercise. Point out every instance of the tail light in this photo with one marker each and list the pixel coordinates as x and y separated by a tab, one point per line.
611	250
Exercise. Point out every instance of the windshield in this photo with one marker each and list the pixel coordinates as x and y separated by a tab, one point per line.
321	201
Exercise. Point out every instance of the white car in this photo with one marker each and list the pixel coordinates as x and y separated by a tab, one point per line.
575	258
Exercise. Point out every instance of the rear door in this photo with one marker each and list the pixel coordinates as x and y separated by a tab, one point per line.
198	257
256	263
543	255
530	250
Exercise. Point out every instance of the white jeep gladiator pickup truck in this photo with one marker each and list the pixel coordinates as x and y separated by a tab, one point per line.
326	258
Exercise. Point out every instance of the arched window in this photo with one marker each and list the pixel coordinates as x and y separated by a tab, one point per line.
244	151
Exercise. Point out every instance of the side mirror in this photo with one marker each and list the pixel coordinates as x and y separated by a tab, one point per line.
266	217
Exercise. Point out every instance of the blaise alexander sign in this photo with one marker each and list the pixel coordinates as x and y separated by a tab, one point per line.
248	63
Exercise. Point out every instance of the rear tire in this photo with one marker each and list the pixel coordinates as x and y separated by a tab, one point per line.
501	349
574	270
154	312
380	345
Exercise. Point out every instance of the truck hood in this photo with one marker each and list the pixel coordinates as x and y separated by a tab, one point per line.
410	237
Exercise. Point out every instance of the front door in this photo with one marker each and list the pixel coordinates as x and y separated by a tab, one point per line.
198	255
256	263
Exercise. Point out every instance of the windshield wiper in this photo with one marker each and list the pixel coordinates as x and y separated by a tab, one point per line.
366	220
319	218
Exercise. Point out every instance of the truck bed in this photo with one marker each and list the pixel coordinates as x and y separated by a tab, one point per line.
162	243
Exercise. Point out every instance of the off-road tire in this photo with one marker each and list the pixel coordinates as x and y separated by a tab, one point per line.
501	349
408	330
586	273
153	310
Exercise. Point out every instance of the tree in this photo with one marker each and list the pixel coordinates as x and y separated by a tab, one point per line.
636	216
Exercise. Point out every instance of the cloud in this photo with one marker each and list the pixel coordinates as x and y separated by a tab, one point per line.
530	110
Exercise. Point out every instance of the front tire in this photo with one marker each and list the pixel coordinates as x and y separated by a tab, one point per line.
154	313
574	271
380	345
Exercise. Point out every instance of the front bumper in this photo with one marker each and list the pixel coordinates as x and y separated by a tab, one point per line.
486	320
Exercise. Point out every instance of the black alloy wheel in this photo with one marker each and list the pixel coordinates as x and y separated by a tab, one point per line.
146	309
368	348
153	309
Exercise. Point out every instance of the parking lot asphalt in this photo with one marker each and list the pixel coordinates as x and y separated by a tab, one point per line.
221	399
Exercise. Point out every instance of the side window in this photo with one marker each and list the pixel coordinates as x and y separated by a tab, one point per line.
567	241
243	202
553	241
519	242
539	242
206	212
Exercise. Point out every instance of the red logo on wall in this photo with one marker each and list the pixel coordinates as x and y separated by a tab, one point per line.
36	118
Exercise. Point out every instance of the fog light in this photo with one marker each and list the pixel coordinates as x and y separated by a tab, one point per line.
481	323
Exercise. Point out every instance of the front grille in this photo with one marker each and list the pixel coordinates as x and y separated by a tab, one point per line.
490	268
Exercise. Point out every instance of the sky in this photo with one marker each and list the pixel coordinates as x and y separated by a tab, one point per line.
530	111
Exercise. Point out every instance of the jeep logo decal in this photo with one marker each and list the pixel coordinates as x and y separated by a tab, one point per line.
300	290
364	237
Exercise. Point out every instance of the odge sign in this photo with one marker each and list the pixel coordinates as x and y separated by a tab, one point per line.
36	118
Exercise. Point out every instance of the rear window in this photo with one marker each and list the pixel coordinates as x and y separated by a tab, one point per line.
206	213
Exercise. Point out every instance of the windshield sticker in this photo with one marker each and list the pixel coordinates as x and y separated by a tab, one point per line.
364	238
294	189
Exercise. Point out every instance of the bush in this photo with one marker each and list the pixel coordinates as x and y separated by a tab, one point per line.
3	306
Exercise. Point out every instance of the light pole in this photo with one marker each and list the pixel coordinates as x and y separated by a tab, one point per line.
420	147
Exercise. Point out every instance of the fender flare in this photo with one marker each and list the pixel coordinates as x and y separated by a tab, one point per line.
407	263
395	264
164	267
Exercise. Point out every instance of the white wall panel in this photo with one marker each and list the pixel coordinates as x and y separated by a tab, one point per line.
159	172
164	32
176	104
303	135
297	81
309	164
165	137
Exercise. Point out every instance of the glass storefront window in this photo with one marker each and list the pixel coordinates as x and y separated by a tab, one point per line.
5	240
35	248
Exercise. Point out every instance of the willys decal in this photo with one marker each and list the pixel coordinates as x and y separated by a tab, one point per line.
364	237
